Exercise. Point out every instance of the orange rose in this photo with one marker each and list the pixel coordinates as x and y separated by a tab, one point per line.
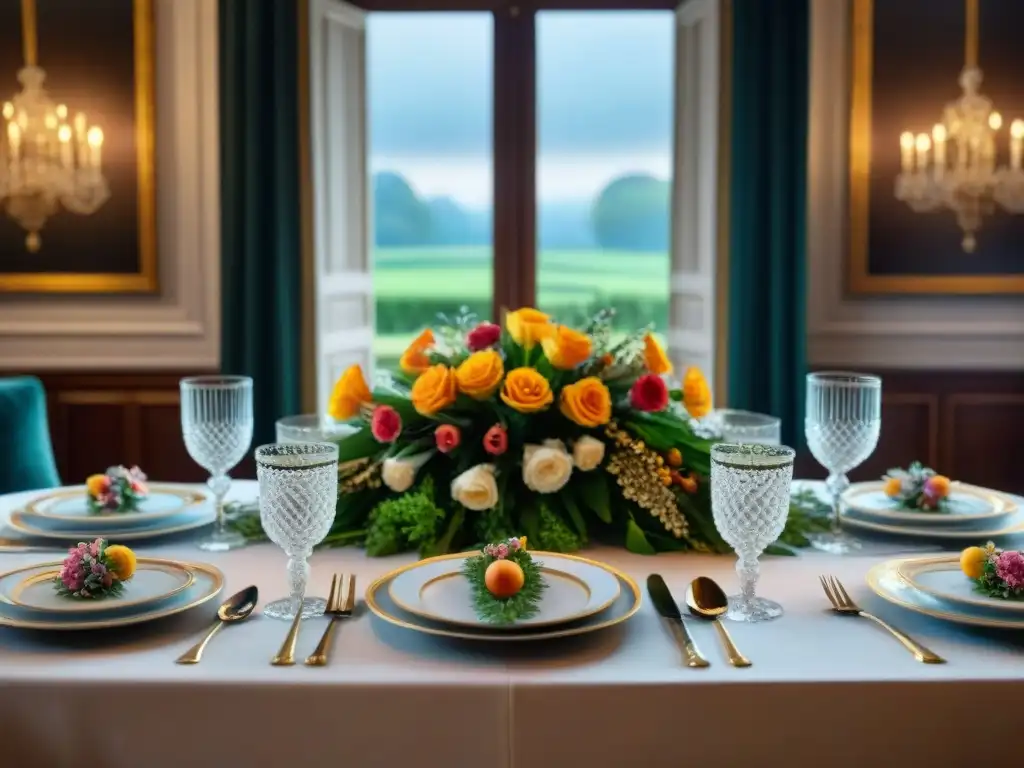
655	359
893	487
434	390
349	394
526	391
696	394
97	484
587	402
415	360
480	374
120	560
528	326
566	348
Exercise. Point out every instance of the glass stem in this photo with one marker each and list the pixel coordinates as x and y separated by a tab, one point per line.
219	485
748	571
298	575
836	484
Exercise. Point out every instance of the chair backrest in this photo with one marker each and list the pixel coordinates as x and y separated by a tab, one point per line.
26	453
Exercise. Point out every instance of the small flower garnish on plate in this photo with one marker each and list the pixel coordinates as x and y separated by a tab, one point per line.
995	572
95	570
506	582
917	487
119	489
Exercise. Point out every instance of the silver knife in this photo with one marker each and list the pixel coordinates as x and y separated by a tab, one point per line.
666	606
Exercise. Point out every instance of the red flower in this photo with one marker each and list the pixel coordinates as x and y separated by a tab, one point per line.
386	424
496	440
483	336
649	393
447	437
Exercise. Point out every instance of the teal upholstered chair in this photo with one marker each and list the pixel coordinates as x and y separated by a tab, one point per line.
26	454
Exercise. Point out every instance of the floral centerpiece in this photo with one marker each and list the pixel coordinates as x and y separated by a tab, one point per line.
917	487
95	570
536	428
119	489
995	572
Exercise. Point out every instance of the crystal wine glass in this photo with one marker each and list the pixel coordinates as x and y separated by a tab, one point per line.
747	427
750	487
298	497
844	417
216	422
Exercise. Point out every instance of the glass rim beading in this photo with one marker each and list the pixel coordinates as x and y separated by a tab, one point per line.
215	381
751	456
297	455
844	379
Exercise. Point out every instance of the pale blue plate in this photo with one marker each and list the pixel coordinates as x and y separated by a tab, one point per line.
966	505
69	508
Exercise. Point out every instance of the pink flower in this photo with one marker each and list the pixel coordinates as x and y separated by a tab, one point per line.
94	548
513	544
483	336
502	551
1010	568
447	437
649	393
496	440
386	424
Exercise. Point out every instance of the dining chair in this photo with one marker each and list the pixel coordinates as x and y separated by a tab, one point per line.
26	453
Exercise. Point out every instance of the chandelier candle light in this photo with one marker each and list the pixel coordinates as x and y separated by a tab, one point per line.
956	167
46	157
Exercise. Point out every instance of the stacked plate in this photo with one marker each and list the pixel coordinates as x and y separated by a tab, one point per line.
65	515
432	596
159	588
972	514
935	586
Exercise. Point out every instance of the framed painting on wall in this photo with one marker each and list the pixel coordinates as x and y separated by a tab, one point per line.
909	234
98	61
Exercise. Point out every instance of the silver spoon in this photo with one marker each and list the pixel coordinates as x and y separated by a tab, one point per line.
235	608
706	599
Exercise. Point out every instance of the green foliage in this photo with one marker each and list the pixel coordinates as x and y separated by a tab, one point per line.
552	533
633	212
495	610
991	585
404	522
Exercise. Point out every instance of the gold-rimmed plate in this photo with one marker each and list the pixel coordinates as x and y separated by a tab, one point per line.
69	506
155	581
379	601
186	522
435	589
208	582
941	577
966	505
1010	525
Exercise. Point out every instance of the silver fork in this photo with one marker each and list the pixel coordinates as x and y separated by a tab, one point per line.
340	603
843	603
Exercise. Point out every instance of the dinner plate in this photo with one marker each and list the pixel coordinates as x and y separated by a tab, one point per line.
208	582
941	577
32	589
70	505
378	600
885	581
1011	525
186	521
435	589
965	504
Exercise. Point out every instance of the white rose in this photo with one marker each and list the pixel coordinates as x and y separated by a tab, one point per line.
399	474
546	468
587	453
476	488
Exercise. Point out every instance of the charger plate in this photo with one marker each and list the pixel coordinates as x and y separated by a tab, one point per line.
69	505
185	521
941	577
379	601
435	589
1011	525
885	581
207	584
31	588
966	504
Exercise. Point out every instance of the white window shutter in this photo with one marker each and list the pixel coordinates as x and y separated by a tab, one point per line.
343	285
691	333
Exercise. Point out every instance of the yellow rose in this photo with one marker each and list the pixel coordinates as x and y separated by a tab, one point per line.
120	561
434	390
655	359
528	326
526	391
96	484
415	360
587	402
350	393
480	374
893	487
566	348
696	393
972	562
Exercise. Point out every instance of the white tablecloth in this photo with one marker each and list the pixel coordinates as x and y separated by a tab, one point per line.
824	689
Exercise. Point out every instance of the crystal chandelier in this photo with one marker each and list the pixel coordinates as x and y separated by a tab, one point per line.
956	166
46	159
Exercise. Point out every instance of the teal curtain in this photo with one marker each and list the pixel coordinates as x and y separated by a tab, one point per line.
767	211
261	223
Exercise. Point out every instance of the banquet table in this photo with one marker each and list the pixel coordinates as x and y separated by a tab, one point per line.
823	689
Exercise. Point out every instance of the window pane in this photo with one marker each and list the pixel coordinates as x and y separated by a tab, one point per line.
605	82
429	92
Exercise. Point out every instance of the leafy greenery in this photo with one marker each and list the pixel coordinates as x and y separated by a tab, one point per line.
404	522
524	604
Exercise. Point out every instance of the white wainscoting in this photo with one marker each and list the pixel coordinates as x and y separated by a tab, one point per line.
892	332
179	328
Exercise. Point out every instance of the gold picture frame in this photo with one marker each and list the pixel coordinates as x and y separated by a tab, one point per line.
145	280
860	279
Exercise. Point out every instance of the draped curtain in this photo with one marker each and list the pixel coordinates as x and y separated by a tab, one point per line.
767	220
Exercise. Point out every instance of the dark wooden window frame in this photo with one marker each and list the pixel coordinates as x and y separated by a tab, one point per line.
515	127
